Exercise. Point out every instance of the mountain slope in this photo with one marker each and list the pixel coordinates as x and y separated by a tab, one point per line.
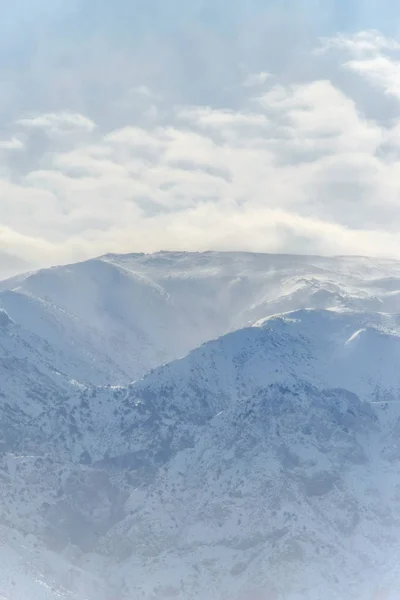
286	486
263	464
20	578
110	320
324	349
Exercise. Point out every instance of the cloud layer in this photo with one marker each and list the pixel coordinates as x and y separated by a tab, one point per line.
309	165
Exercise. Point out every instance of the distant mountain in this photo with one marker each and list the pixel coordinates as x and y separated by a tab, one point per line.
110	320
265	464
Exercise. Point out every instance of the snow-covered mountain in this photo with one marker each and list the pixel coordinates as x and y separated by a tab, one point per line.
264	464
19	578
110	320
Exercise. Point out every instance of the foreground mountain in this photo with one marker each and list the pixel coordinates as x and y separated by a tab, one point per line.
265	464
19	579
110	320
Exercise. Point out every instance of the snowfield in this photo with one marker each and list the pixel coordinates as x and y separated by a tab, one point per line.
218	426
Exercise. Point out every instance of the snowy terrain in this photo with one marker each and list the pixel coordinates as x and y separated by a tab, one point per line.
262	464
110	320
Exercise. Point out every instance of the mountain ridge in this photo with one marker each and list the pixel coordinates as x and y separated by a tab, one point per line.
113	320
261	463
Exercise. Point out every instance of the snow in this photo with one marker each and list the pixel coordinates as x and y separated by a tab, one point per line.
255	454
19	580
110	320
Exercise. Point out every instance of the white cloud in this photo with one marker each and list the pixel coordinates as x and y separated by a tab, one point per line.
361	43
220	118
134	137
256	79
59	123
381	71
11	144
317	116
374	57
298	167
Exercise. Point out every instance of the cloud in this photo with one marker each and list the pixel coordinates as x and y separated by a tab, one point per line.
11	144
207	116
298	165
382	71
59	123
361	43
373	56
256	79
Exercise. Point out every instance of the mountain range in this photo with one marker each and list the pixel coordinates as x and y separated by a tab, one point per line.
206	426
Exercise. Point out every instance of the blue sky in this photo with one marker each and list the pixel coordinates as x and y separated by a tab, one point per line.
195	124
134	19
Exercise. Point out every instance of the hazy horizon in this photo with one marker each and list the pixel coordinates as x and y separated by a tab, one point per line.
8	271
